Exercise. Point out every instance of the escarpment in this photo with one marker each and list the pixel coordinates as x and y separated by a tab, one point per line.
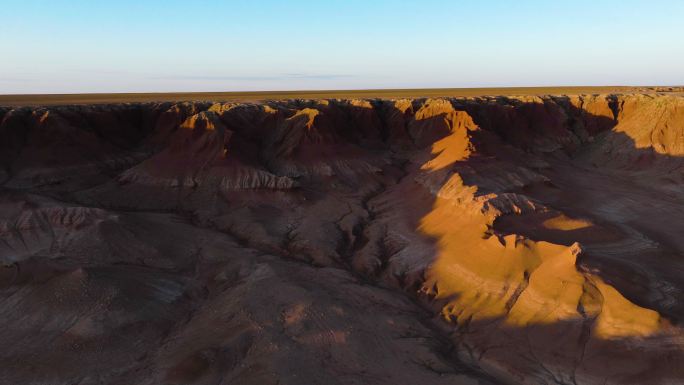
517	240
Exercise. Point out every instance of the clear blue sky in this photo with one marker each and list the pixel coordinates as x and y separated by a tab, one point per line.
56	46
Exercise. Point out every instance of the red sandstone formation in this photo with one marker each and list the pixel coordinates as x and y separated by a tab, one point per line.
514	240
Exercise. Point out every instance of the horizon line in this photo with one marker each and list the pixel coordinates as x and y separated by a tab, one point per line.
371	89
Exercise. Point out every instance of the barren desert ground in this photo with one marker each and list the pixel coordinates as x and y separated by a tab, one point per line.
65	99
439	236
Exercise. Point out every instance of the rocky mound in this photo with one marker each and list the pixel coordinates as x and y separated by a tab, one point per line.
517	240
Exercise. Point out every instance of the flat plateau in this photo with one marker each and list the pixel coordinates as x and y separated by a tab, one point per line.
247	96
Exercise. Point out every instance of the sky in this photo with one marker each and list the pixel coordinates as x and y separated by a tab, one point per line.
84	46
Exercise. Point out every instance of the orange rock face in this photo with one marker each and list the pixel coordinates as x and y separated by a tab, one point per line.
514	240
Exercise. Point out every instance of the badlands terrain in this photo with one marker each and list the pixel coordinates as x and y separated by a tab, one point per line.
368	238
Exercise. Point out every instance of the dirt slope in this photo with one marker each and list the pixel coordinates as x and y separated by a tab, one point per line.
484	240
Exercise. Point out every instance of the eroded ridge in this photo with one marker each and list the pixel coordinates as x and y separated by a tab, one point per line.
478	240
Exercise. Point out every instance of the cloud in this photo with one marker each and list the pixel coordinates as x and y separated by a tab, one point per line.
317	76
17	80
253	78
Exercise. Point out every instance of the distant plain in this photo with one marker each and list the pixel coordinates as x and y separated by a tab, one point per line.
105	98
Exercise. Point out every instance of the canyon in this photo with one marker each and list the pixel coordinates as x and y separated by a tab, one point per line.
531	239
